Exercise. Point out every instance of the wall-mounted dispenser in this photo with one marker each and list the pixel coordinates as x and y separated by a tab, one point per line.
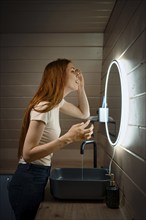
103	114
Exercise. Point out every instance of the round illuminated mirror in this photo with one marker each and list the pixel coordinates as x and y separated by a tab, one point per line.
116	98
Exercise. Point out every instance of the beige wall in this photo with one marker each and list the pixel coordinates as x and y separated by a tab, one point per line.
125	38
23	58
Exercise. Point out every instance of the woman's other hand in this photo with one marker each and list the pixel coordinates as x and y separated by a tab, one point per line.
79	132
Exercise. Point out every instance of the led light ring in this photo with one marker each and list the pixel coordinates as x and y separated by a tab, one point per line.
125	103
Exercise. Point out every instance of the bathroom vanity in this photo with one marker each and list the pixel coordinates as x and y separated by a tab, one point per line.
56	209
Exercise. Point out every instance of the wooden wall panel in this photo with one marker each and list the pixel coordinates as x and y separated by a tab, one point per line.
137	80
137	113
134	203
23	58
14	102
125	39
136	140
130	26
130	32
51	39
44	53
15	66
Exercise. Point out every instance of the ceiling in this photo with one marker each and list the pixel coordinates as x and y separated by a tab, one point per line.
55	16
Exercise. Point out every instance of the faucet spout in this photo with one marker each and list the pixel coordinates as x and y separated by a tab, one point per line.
82	148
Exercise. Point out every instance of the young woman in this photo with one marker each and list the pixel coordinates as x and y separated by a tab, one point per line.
40	134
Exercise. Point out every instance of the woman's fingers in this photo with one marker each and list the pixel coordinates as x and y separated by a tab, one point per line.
79	76
87	132
81	131
84	125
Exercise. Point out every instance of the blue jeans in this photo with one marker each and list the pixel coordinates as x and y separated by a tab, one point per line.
26	189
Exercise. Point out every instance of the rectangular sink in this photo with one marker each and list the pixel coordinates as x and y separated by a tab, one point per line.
78	183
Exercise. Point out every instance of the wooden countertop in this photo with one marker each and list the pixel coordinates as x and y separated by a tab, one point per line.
53	209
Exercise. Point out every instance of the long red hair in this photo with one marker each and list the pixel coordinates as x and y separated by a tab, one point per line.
51	89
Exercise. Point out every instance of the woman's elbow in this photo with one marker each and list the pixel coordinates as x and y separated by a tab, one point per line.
85	116
26	157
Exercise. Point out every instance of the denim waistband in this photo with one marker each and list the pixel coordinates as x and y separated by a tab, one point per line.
28	166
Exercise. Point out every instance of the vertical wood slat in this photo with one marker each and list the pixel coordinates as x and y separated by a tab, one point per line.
23	58
125	38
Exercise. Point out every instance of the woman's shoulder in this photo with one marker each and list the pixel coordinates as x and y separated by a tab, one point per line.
41	105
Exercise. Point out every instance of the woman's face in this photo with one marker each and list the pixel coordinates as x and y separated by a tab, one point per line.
72	81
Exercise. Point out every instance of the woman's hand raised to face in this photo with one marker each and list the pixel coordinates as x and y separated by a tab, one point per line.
80	78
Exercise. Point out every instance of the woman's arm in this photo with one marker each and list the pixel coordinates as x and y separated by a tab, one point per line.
82	110
33	151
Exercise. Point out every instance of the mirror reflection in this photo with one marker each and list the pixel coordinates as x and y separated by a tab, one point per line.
114	102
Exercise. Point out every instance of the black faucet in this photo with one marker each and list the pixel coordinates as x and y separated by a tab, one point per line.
94	150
